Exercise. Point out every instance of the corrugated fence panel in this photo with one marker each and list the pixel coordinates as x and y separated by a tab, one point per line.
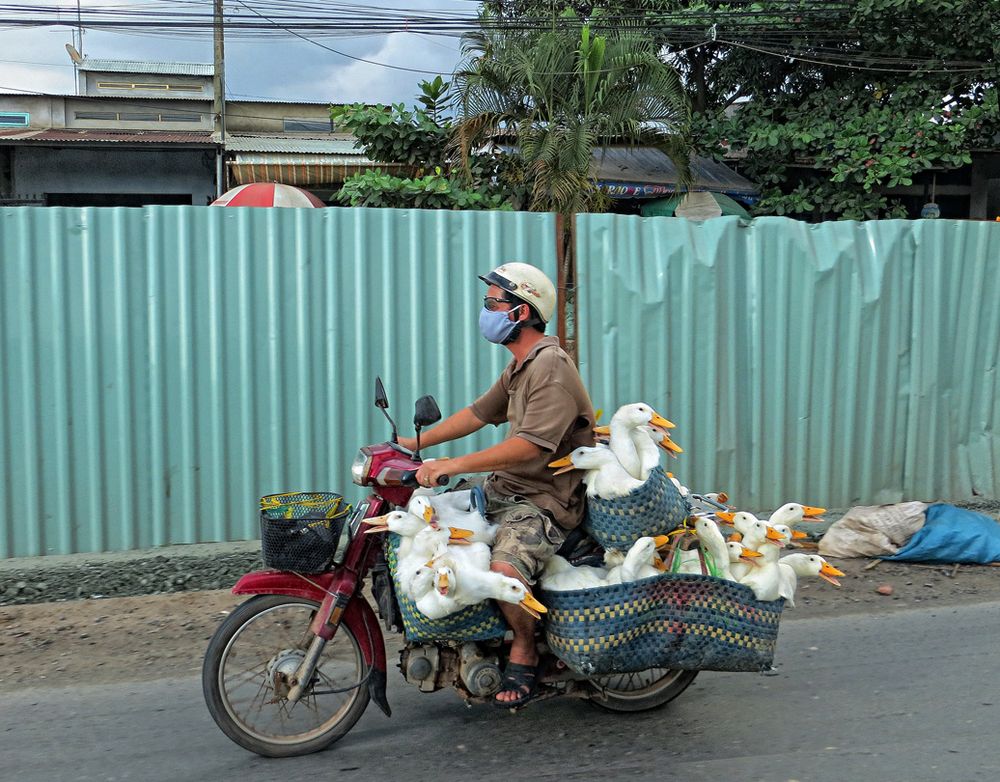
833	364
164	367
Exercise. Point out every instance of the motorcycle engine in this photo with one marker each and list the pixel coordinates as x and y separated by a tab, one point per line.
432	667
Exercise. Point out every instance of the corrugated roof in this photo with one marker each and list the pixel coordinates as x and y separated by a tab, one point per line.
652	167
329	145
119	136
142	66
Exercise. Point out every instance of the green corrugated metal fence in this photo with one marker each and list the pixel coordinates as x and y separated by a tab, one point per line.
164	367
833	364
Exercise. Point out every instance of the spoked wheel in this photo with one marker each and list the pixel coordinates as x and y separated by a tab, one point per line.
640	691
248	670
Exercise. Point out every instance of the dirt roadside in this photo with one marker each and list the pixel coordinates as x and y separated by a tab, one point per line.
140	638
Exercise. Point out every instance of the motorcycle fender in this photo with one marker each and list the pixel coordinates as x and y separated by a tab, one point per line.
358	616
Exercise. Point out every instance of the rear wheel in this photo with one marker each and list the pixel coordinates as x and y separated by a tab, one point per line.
247	671
639	691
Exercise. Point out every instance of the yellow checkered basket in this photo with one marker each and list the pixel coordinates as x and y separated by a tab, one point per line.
673	620
481	622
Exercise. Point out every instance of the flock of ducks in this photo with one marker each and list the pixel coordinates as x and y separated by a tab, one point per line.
443	560
749	556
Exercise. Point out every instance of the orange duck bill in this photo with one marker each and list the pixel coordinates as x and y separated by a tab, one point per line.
808	511
565	465
829	573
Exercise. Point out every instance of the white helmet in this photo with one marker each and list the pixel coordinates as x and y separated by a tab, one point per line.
527	283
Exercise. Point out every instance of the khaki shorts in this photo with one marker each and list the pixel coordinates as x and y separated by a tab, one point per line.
527	537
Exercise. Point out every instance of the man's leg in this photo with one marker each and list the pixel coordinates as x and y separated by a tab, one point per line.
525	540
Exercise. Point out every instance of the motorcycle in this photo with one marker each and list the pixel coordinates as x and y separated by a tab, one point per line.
291	670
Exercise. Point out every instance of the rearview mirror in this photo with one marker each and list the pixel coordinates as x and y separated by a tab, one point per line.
381	400
427	412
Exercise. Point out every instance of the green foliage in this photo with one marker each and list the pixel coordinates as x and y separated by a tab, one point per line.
431	191
863	96
557	94
416	141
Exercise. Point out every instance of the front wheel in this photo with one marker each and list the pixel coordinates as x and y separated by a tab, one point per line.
639	691
245	678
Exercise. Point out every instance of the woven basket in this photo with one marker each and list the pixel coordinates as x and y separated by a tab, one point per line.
655	508
684	621
480	622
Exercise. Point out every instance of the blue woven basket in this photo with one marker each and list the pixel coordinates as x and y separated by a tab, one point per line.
674	620
655	508
480	622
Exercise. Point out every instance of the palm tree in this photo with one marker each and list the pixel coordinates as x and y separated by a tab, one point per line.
559	93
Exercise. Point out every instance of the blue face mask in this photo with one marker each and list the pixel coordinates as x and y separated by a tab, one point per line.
497	327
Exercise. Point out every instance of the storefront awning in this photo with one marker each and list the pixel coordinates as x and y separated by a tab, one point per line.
316	171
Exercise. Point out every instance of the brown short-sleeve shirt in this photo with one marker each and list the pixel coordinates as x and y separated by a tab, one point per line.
545	403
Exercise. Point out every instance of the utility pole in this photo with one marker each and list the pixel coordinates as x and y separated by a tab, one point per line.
79	46
219	96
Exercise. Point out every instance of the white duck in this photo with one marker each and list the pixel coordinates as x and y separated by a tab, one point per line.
765	578
439	602
740	553
472	520
641	561
794	565
787	534
418	583
605	478
755	534
470	587
714	544
404	524
561	576
791	513
624	437
452	500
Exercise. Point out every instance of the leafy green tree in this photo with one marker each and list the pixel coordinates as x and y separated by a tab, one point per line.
557	94
827	105
415	142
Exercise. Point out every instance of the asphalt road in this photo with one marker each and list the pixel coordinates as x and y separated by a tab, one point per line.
905	697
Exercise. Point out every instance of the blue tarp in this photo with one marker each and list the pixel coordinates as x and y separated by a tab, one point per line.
952	534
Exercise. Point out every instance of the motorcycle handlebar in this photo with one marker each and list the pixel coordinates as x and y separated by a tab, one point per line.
410	479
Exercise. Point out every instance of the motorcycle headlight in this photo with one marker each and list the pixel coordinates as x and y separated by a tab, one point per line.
359	468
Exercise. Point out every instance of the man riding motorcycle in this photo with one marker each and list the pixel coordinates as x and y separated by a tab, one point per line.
540	394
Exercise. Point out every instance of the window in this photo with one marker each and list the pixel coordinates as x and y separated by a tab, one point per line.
14	119
128	85
137	116
309	125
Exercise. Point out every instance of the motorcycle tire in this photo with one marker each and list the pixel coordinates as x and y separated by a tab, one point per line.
641	691
269	661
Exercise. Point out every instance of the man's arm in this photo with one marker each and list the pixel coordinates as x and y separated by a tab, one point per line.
455	426
502	456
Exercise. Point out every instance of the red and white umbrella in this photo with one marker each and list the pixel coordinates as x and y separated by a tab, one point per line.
268	194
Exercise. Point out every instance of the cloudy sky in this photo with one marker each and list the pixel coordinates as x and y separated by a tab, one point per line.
288	67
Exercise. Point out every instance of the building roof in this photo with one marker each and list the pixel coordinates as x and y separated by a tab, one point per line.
323	145
143	66
648	172
104	136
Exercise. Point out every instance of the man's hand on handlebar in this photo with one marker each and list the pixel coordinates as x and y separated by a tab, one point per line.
429	472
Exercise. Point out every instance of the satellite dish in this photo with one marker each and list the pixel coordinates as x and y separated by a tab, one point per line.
74	55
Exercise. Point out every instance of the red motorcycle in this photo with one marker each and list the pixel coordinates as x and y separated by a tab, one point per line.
292	669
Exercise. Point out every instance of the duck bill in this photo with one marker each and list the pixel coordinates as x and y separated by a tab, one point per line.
670	446
377	524
660	565
565	465
428	514
660	421
773	536
661	540
532	606
725	515
458	536
749	555
829	573
442	583
808	511
798	535
603	430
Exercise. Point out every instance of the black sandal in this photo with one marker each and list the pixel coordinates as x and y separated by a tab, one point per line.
521	679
